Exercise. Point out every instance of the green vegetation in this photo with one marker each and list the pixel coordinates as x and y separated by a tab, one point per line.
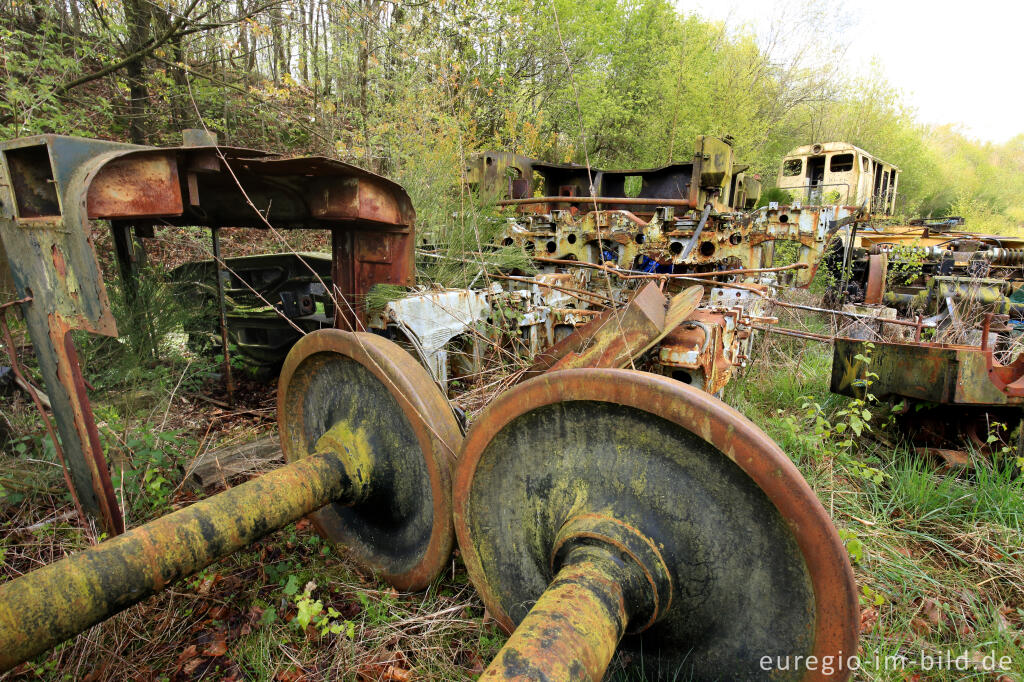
410	89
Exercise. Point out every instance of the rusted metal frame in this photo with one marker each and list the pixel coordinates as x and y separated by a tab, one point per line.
697	232
343	280
1007	378
938	373
371	206
229	380
109	507
632	274
8	339
634	201
878	267
56	602
56	265
712	343
595	298
125	183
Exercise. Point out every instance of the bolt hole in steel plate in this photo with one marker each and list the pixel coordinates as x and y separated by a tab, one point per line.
756	565
393	409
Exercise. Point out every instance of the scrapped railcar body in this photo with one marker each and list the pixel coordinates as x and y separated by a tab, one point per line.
840	173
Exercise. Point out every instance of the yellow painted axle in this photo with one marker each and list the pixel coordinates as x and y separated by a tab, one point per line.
56	602
571	632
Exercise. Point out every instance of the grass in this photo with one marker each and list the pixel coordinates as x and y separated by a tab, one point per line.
939	558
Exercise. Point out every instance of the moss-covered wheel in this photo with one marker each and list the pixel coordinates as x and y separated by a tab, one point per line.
599	505
363	395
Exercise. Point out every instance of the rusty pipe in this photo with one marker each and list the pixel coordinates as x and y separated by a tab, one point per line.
629	201
47	606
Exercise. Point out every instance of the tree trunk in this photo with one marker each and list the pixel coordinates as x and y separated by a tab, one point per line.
138	14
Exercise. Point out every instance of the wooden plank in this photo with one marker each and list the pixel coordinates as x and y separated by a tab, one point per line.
222	465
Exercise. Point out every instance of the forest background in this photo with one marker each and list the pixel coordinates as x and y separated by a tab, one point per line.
409	88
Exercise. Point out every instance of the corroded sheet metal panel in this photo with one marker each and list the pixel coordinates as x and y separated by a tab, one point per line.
964	375
924	372
139	185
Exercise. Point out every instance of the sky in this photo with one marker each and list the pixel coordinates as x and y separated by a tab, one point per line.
959	62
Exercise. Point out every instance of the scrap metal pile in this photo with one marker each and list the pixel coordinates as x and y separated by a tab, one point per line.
961	358
680	225
631	510
634	511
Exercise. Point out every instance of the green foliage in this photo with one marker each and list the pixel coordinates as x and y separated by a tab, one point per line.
310	611
837	432
786	252
853	545
411	89
35	62
150	343
147	465
379	610
905	265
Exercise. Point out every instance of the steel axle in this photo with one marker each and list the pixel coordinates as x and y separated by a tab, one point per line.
365	431
56	602
640	513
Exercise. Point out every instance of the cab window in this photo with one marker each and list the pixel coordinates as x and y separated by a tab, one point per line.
841	163
792	167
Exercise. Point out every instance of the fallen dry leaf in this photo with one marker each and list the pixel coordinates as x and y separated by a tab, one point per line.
384	671
475	663
920	626
191	666
218	647
868	618
218	612
187	655
396	674
932	611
